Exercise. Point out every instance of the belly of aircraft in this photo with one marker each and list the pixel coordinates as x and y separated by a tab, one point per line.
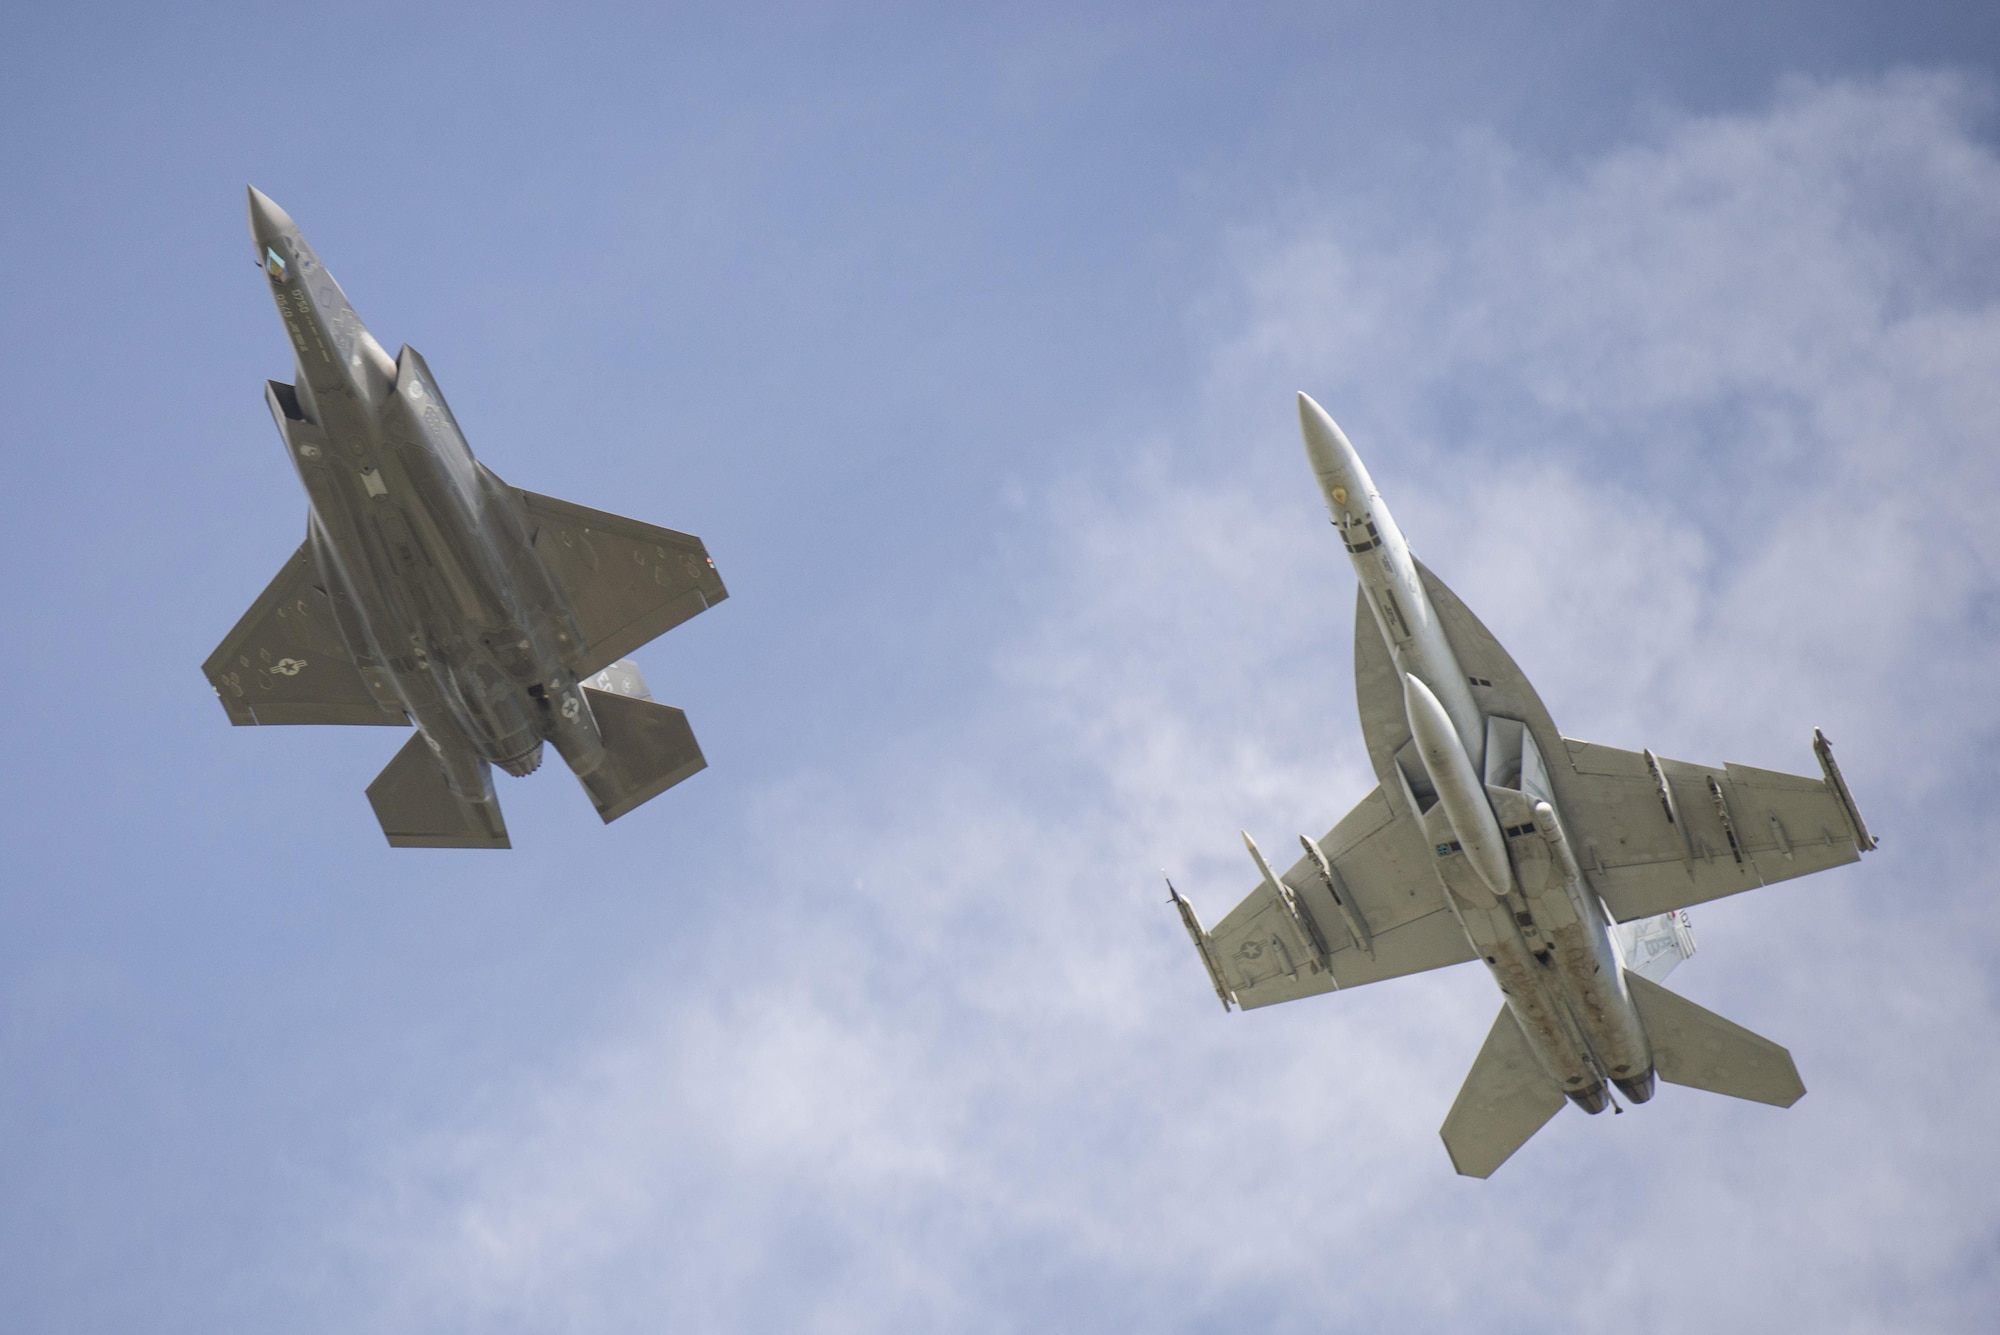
432	622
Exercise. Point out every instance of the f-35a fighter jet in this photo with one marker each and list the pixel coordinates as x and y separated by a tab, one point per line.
429	592
1563	865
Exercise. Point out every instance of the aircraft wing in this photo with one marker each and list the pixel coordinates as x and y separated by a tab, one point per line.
1382	864
1782	825
628	582
285	661
1732	828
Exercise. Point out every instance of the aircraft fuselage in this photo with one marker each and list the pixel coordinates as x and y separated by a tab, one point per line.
443	604
1511	874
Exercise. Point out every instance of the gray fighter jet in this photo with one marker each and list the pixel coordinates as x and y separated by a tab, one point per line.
429	592
1564	865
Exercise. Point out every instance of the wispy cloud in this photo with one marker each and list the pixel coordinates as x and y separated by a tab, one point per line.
1704	429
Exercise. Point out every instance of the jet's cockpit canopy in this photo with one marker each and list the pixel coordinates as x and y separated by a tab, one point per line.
274	264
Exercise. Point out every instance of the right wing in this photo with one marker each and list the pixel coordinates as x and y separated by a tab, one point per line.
1743	827
1382	863
628	582
1732	828
285	661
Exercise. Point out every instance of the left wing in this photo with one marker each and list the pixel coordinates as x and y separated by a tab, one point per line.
1662	834
285	661
1732	827
1381	865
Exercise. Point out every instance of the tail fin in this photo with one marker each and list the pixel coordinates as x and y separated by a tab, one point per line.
1654	947
648	748
1700	1049
418	809
1507	1097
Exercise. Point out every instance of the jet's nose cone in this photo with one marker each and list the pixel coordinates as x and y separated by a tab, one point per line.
267	220
1326	444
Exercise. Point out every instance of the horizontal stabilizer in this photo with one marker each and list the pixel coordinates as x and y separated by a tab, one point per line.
1700	1049
418	809
648	748
1506	1098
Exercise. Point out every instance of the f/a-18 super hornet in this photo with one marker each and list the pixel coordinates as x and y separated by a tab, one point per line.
429	592
1565	866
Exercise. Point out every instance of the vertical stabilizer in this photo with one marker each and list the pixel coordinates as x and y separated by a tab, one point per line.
1654	947
1507	1097
1700	1049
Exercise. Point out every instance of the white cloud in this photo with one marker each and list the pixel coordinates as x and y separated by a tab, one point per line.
1704	430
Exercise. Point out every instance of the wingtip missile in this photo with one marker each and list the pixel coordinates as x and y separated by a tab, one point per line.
1198	935
1822	748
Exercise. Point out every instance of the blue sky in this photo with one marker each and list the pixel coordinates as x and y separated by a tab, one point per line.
967	339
